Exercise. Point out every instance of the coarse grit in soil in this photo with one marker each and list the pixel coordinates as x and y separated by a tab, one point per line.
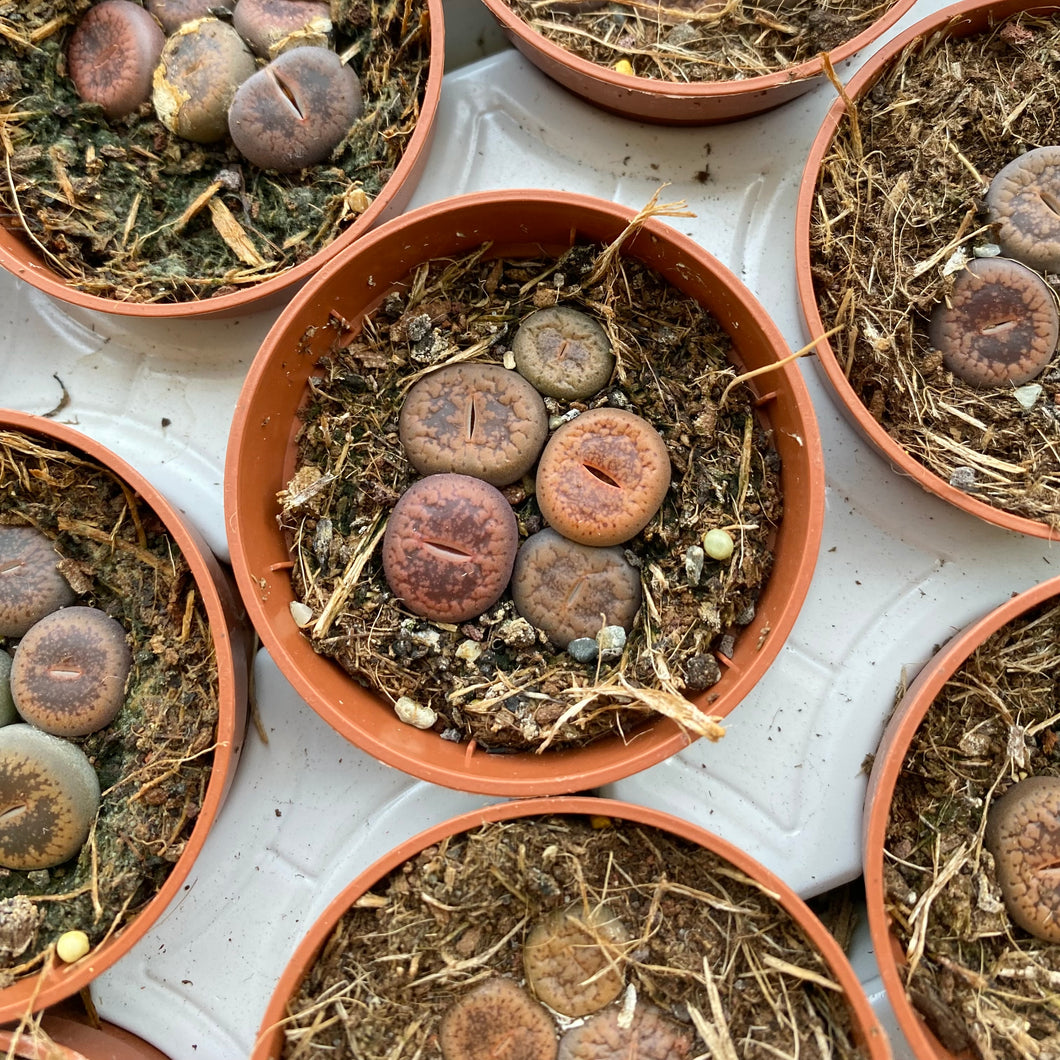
126	210
899	210
985	987
154	759
706	944
683	41
495	679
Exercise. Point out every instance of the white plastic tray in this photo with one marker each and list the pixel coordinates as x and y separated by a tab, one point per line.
899	570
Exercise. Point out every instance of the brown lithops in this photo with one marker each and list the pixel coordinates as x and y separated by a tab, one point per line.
473	419
573	959
603	476
649	1035
172	14
570	590
30	583
69	671
1024	202
274	26
49	794
497	1020
449	547
112	55
295	111
999	326
1023	834
202	65
563	352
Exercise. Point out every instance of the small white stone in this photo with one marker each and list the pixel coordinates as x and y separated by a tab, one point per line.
693	564
414	714
301	614
987	250
469	650
611	641
1028	394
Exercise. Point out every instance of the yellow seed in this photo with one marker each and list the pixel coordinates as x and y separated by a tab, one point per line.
72	946
623	66
718	544
598	821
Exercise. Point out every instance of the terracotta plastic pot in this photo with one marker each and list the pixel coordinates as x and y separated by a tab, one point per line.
78	1038
24	259
260	461
686	103
228	627
886	769
866	1028
958	20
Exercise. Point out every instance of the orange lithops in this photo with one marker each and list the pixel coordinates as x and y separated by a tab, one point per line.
497	1020
1023	834
449	547
573	959
603	476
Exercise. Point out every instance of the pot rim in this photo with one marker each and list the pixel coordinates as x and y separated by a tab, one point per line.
419	753
685	90
953	20
887	766
42	989
19	258
863	1016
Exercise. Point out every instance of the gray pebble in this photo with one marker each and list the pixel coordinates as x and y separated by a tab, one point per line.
583	649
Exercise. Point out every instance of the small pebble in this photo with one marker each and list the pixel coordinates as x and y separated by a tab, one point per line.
583	649
694	557
415	714
963	478
72	946
301	613
1028	395
718	544
611	641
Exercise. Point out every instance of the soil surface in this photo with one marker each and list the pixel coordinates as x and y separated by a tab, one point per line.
126	210
899	212
496	679
697	40
982	984
704	943
154	759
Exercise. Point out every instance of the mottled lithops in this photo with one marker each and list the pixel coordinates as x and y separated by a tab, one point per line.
497	1020
30	583
574	958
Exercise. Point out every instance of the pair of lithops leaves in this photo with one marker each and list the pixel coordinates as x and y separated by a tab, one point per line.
1000	324
65	679
1023	835
574	960
451	546
202	73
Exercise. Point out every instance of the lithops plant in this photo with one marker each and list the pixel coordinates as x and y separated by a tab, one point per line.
603	476
1000	324
473	419
1023	201
49	794
564	352
31	584
449	547
1023	834
497	1020
69	671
